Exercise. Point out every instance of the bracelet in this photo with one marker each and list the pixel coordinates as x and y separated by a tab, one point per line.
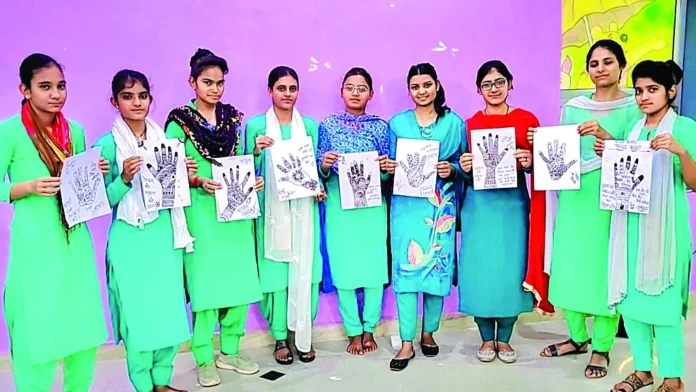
195	181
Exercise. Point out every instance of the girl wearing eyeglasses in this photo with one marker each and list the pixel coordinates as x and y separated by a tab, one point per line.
362	230
493	257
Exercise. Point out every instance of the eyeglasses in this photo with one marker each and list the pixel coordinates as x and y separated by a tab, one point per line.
359	89
498	83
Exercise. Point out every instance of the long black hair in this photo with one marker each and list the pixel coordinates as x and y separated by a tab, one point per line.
665	73
204	58
610	45
126	78
489	66
33	63
427	69
279	72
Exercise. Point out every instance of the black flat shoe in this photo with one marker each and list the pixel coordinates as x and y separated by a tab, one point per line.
430	350
397	365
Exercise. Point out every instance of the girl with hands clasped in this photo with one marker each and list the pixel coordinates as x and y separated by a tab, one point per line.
651	257
356	238
52	295
146	288
495	247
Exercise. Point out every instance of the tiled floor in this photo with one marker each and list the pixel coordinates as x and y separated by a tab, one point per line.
455	369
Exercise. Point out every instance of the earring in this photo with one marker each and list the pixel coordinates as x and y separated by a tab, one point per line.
26	97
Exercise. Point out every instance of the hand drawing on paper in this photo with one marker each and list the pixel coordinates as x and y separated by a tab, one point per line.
359	183
555	162
236	195
82	189
625	181
165	173
296	174
415	169
492	157
85	186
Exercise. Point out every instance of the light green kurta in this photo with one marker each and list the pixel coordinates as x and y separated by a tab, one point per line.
579	265
52	291
668	307
221	272
274	274
145	274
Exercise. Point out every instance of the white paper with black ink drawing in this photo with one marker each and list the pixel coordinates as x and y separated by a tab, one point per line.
359	180
416	174
494	165
295	168
237	200
626	176
82	188
164	176
556	156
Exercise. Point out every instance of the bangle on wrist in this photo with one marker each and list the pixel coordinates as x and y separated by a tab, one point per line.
195	181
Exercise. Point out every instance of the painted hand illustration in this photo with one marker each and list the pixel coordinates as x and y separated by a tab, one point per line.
491	158
165	173
359	183
85	187
556	160
414	169
625	181
296	174
236	194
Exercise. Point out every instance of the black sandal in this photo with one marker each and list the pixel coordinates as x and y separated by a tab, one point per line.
580	348
306	357
279	345
397	365
598	368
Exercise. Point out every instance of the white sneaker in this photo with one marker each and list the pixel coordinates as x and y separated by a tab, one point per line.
208	375
237	363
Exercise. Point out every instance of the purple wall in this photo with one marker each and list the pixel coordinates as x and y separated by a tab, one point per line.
95	39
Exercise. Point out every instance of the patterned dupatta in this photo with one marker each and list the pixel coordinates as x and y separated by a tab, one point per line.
210	141
54	147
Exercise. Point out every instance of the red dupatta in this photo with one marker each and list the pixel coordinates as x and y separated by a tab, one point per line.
536	281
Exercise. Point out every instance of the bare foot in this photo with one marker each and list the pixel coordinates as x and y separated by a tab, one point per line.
168	389
674	384
355	347
562	348
645	377
369	343
428	339
505	348
406	351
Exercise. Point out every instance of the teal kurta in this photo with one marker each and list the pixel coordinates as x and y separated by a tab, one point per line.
579	265
668	307
221	273
274	274
52	291
145	274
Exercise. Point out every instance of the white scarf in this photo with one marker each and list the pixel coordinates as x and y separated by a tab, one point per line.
656	264
598	109
131	209
289	237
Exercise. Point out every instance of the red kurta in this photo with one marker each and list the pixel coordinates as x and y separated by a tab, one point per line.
536	280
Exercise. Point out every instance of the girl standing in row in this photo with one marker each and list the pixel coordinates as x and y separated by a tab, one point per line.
580	238
52	296
146	288
424	253
353	131
221	274
288	232
650	255
494	247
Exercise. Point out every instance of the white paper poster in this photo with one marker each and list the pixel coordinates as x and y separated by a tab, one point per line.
295	168
359	180
164	176
626	176
82	188
237	200
556	158
494	165
415	174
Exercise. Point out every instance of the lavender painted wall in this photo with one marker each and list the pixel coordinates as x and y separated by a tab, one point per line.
320	39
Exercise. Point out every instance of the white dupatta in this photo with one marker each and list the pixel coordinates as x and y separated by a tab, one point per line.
657	250
598	109
289	237
131	209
